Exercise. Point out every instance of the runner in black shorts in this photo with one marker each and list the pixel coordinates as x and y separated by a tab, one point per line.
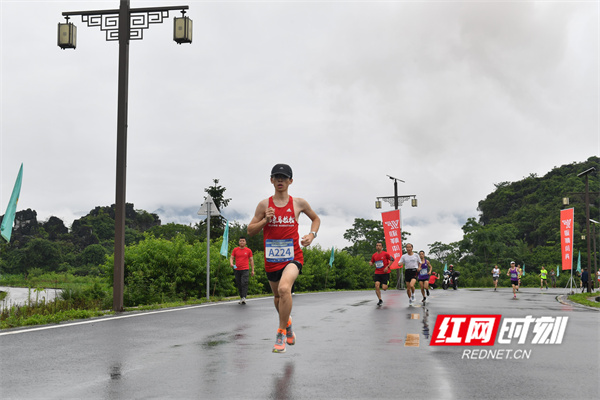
410	274
383	279
381	260
277	217
276	276
410	261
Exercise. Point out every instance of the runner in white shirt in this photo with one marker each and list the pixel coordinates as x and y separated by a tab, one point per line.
495	276
410	261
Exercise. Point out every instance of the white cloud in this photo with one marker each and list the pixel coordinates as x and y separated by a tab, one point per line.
450	97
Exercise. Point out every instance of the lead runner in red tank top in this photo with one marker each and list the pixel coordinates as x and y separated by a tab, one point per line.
278	216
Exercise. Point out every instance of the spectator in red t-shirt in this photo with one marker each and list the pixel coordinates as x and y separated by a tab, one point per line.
243	258
432	279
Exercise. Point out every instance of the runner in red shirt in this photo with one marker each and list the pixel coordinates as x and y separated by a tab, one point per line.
243	257
381	260
278	216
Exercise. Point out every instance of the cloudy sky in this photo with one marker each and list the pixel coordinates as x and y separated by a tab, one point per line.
449	96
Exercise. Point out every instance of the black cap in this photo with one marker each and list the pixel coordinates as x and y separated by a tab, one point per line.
282	169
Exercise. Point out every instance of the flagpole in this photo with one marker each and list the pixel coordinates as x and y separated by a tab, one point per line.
208	251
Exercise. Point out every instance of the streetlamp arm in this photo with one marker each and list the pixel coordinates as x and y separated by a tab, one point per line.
401	199
131	10
140	19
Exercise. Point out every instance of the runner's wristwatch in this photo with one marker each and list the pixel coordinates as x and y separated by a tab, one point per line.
314	234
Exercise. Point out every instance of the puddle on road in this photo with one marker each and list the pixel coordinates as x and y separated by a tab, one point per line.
221	338
215	340
213	343
361	303
115	372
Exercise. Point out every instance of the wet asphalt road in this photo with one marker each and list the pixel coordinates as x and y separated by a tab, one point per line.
347	348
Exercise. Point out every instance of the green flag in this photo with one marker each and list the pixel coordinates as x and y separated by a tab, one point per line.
331	258
225	245
523	269
579	262
445	267
11	209
557	271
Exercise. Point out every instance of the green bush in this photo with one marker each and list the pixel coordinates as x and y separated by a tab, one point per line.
159	270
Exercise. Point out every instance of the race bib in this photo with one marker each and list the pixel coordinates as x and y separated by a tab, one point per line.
379	264
423	272
279	250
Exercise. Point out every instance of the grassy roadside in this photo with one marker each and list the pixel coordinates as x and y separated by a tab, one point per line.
587	299
56	311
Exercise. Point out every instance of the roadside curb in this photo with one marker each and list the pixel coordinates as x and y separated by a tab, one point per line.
563	299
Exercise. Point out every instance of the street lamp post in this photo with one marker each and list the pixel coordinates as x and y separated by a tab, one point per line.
123	24
586	195
595	277
587	227
397	201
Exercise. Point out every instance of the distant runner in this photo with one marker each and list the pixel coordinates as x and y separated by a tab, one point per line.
543	276
425	269
514	278
381	277
410	261
495	276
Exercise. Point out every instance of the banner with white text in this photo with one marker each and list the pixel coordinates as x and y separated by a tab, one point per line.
393	237
566	238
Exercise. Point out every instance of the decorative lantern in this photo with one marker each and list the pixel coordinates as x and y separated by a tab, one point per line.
182	32
67	35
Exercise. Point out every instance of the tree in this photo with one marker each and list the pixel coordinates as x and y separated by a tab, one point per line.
171	230
40	253
364	235
441	251
93	255
237	230
217	224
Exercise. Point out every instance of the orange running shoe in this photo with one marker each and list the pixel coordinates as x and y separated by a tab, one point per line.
279	346
290	336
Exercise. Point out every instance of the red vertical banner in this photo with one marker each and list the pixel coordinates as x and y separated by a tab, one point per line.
393	237
566	238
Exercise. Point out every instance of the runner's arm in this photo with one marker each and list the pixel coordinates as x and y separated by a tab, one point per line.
315	224
259	220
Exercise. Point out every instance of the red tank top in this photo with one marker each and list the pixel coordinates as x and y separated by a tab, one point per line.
282	242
